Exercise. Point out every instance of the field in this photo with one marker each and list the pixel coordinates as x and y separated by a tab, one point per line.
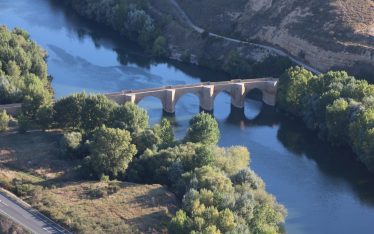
31	167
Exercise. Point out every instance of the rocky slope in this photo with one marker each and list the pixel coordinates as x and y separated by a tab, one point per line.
327	34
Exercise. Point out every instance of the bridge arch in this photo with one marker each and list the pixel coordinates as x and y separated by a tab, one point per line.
154	107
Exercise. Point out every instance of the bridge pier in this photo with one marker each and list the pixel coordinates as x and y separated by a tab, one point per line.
237	95
169	101
207	98
130	98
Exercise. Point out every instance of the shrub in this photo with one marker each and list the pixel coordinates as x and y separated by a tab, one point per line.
71	145
44	117
4	121
24	123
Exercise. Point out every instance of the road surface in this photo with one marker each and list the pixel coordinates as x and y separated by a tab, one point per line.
29	218
274	50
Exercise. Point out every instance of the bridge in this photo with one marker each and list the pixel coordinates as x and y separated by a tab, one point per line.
206	92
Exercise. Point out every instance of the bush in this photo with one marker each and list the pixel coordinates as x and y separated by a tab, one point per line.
24	123
71	145
44	117
4	121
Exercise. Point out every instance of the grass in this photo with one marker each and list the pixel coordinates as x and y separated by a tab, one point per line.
31	167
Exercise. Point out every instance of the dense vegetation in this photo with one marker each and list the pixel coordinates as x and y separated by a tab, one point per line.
339	106
219	193
23	76
128	17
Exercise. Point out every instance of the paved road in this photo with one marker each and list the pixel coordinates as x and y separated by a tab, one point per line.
270	48
29	218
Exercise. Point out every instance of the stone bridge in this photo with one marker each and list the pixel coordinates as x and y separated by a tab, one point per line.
206	92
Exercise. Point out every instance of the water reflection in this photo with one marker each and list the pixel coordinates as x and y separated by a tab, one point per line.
334	162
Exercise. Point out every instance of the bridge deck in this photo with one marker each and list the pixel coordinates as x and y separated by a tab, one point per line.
184	86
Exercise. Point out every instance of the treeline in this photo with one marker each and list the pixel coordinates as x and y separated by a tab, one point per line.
23	72
218	192
339	106
128	17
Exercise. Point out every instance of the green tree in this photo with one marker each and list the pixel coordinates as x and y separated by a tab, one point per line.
165	133
68	111
110	151
96	111
129	117
146	139
293	86
203	129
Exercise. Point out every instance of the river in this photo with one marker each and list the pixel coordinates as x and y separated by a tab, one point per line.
324	189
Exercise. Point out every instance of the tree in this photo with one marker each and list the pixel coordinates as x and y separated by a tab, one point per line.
293	86
203	129
96	111
68	111
337	121
23	71
129	117
146	139
36	95
110	151
165	133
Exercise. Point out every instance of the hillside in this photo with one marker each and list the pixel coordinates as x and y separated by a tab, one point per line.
326	34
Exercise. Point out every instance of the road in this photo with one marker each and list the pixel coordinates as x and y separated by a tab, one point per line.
270	48
29	218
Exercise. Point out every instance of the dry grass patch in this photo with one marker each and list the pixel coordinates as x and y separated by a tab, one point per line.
30	166
36	153
112	207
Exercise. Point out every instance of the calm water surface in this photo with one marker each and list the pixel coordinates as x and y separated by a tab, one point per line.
323	188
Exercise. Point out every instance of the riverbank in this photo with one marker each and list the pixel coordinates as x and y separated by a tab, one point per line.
187	43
